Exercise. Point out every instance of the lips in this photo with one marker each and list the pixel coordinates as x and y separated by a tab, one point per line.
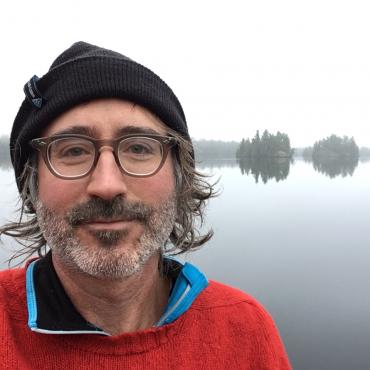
106	225
107	221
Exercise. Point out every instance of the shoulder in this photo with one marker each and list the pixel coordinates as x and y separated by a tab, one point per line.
11	278
13	290
240	319
234	306
218	294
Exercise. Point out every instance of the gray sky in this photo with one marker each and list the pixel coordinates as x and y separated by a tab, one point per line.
300	67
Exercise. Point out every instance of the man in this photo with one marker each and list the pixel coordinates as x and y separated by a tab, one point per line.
105	170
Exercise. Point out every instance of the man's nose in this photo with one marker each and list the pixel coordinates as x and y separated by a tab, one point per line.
107	180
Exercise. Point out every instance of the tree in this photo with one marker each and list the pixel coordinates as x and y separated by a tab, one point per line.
335	147
266	146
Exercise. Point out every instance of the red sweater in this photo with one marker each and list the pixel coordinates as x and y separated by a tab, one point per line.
223	329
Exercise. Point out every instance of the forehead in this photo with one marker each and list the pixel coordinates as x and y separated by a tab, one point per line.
104	118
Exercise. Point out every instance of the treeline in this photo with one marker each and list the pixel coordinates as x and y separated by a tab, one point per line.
267	146
214	149
333	147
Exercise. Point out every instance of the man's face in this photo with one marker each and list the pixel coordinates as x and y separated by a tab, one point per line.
126	219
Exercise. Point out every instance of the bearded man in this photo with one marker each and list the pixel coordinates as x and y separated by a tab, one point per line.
105	169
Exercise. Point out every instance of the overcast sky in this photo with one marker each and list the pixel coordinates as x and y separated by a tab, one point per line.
300	67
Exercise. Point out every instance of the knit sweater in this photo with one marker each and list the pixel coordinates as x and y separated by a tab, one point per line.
223	329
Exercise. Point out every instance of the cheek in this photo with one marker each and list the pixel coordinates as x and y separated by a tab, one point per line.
157	188
55	193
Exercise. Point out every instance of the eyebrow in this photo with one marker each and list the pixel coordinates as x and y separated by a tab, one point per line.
93	132
79	130
137	130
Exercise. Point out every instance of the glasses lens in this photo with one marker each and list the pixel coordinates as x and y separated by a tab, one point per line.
140	155
71	157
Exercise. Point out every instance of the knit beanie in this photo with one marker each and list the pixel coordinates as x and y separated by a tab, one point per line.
82	73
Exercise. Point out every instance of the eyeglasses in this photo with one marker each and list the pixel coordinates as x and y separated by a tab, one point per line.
71	157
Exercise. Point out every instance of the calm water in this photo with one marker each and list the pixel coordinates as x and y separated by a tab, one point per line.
300	246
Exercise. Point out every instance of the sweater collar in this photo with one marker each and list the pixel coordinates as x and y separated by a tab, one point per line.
50	310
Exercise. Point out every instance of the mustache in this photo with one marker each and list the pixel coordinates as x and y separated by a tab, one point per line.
114	209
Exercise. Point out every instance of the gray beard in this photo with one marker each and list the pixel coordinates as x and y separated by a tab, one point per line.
107	261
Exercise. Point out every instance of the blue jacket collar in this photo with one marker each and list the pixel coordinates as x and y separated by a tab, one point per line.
50	310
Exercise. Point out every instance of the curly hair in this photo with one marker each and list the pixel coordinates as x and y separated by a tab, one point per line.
192	188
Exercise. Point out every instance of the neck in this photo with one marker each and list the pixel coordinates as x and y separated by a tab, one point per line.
117	306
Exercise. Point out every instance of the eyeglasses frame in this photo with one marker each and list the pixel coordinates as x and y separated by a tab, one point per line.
42	145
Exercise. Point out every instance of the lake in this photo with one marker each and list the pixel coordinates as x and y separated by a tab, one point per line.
300	245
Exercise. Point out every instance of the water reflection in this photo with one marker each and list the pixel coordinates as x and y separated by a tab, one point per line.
265	168
216	163
334	167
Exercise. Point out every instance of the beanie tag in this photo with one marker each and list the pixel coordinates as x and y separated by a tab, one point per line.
32	93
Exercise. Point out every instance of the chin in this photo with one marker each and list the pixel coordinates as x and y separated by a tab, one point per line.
108	257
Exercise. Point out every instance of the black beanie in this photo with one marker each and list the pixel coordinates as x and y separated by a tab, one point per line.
82	73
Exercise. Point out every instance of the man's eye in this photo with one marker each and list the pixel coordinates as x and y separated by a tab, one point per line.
74	152
138	149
